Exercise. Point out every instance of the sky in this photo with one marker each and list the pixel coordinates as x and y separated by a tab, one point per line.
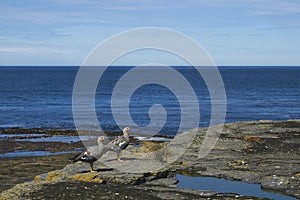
233	32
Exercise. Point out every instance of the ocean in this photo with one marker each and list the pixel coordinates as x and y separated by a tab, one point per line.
41	97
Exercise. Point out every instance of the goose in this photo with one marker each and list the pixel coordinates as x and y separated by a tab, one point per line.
90	156
120	143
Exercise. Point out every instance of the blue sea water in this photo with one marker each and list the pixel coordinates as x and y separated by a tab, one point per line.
42	96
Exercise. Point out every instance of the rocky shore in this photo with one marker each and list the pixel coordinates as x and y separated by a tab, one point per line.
262	152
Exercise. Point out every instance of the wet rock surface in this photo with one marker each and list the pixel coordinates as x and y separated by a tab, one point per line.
9	143
20	169
264	152
73	190
74	182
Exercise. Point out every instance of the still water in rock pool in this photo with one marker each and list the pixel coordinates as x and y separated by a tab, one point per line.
222	185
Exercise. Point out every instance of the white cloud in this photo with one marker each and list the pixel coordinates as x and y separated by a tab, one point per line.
33	50
13	50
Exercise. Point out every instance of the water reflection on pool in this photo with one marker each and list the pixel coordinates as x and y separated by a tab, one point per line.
222	185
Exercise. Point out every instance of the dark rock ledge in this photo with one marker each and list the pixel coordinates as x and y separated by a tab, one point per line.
264	152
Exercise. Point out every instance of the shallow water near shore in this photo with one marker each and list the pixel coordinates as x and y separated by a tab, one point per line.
64	140
34	153
45	138
222	185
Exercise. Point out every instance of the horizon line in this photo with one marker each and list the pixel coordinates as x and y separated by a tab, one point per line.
135	66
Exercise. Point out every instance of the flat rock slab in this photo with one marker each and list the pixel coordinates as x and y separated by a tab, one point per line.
263	152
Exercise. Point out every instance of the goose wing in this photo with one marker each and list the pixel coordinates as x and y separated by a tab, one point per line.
85	156
117	144
121	142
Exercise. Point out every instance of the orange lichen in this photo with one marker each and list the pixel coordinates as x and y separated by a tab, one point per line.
37	179
90	177
252	139
52	176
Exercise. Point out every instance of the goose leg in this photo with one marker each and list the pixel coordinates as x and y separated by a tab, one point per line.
119	156
91	167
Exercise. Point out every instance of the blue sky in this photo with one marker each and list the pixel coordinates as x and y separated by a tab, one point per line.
234	32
